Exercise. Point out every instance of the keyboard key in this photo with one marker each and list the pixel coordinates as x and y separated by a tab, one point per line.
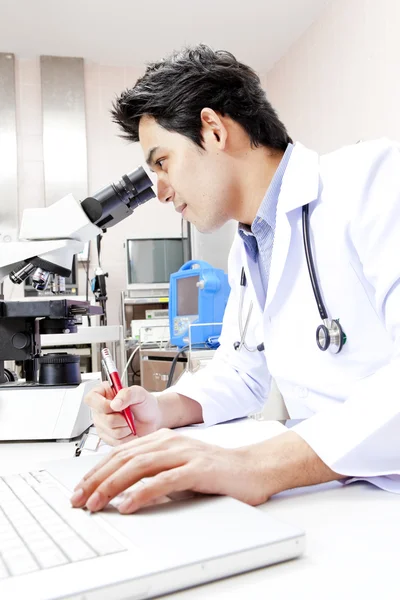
50	558
3	570
39	529
19	561
97	537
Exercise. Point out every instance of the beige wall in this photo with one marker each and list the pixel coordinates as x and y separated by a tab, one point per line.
341	81
109	157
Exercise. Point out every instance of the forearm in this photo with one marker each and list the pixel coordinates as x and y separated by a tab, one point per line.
287	462
178	410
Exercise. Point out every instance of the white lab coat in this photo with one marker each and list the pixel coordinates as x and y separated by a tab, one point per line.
351	400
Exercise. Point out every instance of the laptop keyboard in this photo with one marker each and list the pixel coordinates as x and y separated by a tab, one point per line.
39	530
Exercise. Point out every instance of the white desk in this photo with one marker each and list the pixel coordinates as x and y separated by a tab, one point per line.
353	550
22	456
353	540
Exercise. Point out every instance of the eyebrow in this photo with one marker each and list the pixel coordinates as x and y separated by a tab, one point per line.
150	155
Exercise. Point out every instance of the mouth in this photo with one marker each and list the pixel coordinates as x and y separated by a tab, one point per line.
181	208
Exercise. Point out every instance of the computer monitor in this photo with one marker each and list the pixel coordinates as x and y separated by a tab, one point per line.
151	261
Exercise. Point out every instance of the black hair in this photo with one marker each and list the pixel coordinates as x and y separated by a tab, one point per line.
175	90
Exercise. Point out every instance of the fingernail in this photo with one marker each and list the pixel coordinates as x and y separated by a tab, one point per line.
94	502
125	506
78	495
117	404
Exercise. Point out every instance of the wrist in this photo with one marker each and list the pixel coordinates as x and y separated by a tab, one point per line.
285	462
177	410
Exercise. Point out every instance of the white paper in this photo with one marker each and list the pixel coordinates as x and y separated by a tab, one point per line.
241	432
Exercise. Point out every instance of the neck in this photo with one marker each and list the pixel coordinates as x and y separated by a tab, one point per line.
258	168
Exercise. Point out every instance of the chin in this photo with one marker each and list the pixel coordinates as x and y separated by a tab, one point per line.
207	226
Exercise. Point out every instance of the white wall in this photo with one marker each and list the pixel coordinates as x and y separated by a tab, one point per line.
340	82
109	157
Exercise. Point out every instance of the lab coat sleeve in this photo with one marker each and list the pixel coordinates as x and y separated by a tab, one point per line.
234	384
360	437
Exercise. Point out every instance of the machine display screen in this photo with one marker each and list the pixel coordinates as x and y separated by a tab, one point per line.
188	296
153	260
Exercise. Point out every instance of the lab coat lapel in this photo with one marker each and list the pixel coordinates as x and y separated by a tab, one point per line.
300	186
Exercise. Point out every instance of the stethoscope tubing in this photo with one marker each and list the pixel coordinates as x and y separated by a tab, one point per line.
310	263
333	336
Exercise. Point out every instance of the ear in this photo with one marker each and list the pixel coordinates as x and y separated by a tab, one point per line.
213	129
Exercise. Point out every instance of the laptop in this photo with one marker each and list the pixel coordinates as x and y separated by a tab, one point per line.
57	552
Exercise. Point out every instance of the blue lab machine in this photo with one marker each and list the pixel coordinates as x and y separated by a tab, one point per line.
198	293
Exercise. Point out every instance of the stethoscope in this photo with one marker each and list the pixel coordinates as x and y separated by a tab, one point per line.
328	335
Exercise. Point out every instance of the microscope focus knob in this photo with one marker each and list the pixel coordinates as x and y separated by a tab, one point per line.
20	340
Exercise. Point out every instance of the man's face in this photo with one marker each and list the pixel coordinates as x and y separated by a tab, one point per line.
198	182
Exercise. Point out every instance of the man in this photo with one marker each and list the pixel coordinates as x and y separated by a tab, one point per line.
220	152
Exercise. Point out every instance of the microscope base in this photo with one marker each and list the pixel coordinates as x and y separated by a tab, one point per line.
33	412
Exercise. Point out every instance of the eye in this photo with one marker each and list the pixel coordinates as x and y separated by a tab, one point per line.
159	162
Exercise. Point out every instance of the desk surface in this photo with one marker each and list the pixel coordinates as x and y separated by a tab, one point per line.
352	540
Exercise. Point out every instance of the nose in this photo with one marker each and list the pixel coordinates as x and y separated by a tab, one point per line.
164	191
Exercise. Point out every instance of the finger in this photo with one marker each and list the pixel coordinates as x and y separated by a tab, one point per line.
113	421
137	442
110	439
104	389
128	396
118	433
178	479
112	482
112	462
109	393
98	402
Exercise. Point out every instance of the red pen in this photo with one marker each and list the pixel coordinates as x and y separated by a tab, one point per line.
116	385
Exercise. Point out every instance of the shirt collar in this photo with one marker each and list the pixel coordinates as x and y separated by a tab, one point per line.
267	209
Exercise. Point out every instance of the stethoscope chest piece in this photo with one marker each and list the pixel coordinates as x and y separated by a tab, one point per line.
330	335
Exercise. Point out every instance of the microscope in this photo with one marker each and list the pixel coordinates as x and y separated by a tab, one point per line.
47	403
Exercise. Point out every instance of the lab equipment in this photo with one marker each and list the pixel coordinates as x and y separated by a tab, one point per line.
157	314
47	403
329	334
198	294
151	261
156	364
51	237
67	286
116	384
150	331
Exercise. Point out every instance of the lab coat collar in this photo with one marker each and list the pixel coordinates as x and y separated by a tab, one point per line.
300	184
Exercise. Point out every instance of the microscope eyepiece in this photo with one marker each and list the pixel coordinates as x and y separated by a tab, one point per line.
118	200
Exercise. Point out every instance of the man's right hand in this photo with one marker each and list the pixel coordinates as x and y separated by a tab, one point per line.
110	422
